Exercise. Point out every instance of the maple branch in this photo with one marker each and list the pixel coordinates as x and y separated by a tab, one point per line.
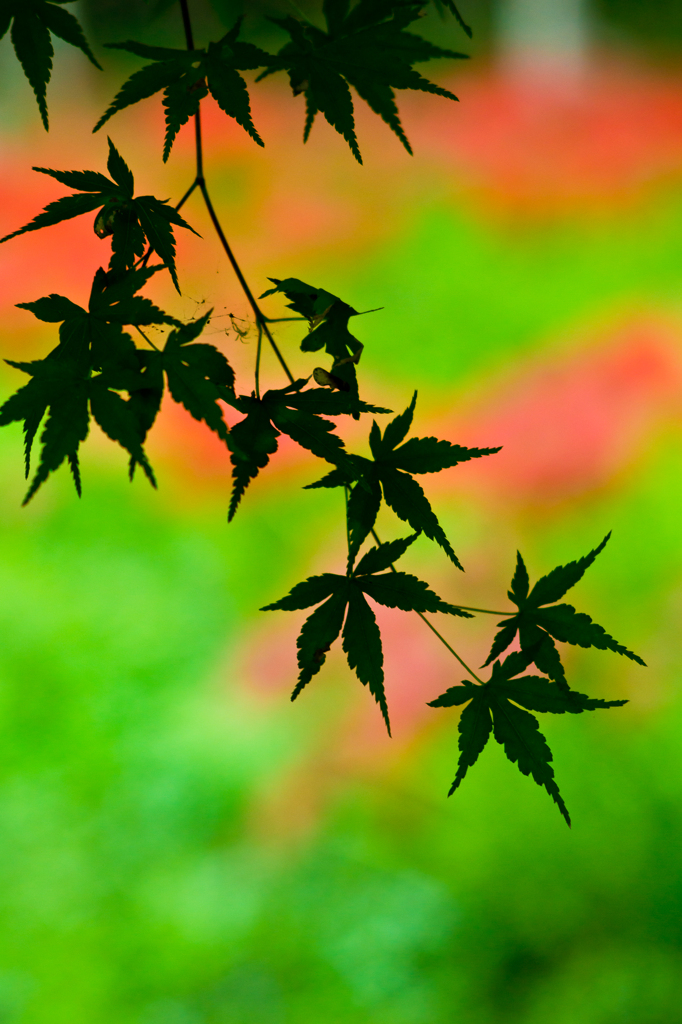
433	628
200	182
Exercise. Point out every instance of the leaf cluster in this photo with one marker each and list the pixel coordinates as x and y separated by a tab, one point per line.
97	371
365	47
96	360
498	705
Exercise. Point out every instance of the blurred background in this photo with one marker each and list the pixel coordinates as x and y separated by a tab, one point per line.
180	844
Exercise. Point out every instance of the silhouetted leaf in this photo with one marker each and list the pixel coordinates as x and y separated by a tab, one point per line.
361	637
198	375
32	22
128	220
64	387
366	47
538	627
187	76
401	492
452	7
517	731
327	317
280	411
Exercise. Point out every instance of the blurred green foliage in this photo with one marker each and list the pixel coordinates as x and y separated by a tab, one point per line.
657	23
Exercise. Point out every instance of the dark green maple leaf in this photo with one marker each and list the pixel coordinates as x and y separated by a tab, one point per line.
187	76
366	47
199	376
63	386
452	7
128	219
538	627
344	597
32	22
291	411
391	473
494	707
327	317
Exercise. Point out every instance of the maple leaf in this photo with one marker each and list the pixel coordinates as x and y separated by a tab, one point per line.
187	76
493	707
128	219
62	384
539	626
290	411
345	606
32	22
391	473
367	48
452	7
198	375
327	317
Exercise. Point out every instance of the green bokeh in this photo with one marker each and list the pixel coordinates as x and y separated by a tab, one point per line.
136	888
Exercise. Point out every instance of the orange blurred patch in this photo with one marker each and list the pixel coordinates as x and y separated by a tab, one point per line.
572	423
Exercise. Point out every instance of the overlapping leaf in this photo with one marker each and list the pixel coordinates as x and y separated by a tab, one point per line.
32	22
452	7
291	411
130	221
327	317
63	386
391	473
494	707
199	375
345	606
187	76
539	626
366	47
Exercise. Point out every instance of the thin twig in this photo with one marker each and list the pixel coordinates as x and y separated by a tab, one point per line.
148	340
484	611
259	347
282	319
451	649
434	630
200	183
186	196
240	277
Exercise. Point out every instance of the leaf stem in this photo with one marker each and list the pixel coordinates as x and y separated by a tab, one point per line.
148	340
345	492
200	183
283	319
484	611
258	353
186	196
187	24
451	649
434	630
